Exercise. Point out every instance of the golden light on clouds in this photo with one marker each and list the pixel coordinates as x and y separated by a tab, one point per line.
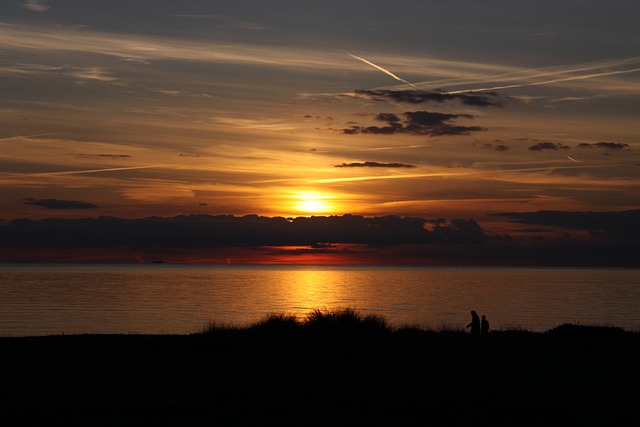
165	117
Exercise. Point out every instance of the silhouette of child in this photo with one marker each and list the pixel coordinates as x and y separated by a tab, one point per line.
475	323
484	326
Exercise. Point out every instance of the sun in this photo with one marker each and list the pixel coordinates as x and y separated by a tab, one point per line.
312	203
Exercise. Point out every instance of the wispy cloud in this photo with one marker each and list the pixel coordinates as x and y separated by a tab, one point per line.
566	75
83	73
264	124
92	73
307	181
387	148
548	82
149	48
454	74
192	15
35	5
459	73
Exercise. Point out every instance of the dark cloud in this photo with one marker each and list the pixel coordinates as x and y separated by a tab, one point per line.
623	224
309	116
387	117
612	146
487	99
59	204
613	238
204	231
374	165
498	147
416	123
541	146
592	239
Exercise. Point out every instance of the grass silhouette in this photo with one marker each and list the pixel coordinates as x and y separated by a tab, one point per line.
347	321
352	322
328	367
329	322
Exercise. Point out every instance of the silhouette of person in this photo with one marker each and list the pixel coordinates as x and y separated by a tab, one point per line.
484	326
475	323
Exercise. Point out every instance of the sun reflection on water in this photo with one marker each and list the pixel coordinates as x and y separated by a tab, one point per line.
307	290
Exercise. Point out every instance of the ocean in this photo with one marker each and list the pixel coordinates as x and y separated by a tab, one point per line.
53	299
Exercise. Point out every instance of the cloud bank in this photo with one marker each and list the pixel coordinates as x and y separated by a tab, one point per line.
622	224
613	239
202	231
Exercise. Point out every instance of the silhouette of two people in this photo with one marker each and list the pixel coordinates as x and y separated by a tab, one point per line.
478	327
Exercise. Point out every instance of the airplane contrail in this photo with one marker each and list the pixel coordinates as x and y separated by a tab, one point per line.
572	159
546	82
91	171
377	67
468	173
27	136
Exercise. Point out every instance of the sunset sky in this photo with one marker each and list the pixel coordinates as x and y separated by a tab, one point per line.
456	109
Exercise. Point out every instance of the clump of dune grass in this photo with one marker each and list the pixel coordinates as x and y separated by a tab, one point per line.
277	323
336	322
346	321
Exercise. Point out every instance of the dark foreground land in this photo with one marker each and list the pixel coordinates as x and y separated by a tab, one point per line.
290	375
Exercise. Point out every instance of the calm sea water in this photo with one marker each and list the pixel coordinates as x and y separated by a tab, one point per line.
71	299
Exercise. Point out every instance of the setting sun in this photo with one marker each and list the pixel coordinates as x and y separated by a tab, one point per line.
312	203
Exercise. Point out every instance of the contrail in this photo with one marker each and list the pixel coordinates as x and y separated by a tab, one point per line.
572	159
425	175
27	136
377	67
541	72
546	82
92	170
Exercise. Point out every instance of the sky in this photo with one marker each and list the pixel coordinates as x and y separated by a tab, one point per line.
480	110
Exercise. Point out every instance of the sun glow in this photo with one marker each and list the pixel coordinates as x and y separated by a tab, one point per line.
312	203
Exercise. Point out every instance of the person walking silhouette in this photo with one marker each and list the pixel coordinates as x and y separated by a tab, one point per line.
484	326
475	323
